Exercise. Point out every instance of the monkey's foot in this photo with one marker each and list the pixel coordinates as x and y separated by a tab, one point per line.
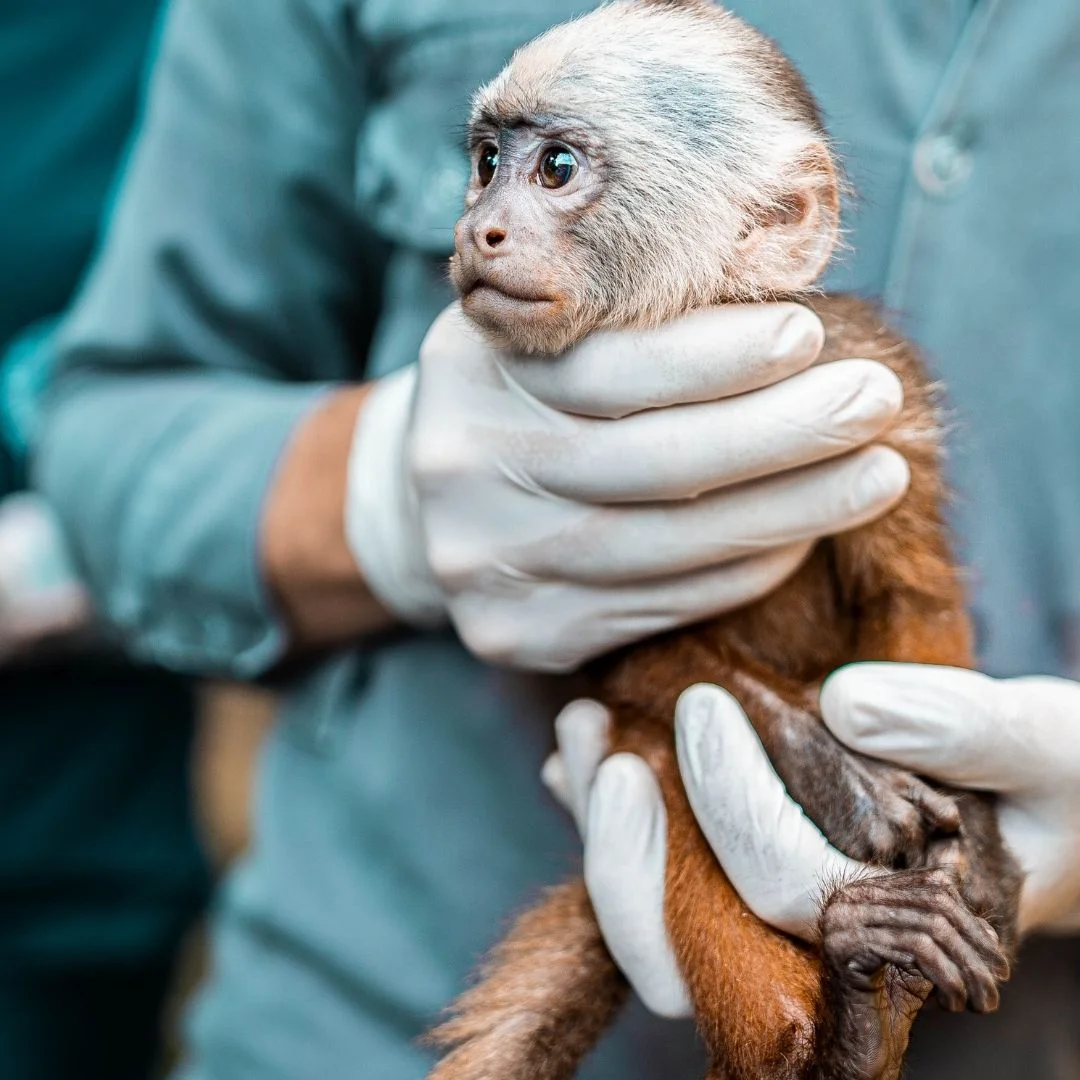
916	921
887	943
872	811
990	877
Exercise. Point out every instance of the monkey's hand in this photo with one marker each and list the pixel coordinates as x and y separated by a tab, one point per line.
1019	738
556	508
887	942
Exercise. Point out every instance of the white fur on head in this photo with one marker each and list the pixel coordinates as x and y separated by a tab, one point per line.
718	180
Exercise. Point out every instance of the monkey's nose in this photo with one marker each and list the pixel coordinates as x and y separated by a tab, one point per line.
489	238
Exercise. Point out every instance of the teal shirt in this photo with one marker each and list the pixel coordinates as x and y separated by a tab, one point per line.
283	226
98	858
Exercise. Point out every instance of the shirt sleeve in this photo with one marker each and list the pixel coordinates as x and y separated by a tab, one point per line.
235	282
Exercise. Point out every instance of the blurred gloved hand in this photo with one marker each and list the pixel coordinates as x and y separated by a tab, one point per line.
41	599
554	508
1018	737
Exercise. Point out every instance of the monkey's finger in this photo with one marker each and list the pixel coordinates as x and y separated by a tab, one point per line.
627	543
701	357
684	451
625	859
939	809
957	726
776	858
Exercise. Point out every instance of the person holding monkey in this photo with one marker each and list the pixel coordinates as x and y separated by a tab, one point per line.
241	508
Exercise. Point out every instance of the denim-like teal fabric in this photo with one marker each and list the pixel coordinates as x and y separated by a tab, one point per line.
292	192
99	864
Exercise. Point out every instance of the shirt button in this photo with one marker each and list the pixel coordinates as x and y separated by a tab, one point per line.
942	165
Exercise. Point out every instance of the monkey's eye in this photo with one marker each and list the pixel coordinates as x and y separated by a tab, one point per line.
557	167
487	163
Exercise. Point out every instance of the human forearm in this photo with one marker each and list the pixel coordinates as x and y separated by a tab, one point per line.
307	564
160	481
209	328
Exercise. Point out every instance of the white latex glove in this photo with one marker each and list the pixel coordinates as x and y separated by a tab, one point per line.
771	852
41	600
557	508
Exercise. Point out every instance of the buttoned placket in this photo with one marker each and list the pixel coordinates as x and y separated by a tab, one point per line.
944	154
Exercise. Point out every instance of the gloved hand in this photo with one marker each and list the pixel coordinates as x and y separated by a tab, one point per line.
555	508
773	855
1018	737
41	600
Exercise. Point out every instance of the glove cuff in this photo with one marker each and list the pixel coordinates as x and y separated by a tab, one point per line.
382	520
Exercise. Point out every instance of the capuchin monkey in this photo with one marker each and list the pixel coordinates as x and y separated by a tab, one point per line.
645	160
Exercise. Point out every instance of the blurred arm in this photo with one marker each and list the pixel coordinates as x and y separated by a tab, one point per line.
196	371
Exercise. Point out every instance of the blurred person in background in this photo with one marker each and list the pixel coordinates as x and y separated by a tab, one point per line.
262	482
100	871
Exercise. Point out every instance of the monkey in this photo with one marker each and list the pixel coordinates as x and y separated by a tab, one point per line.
648	159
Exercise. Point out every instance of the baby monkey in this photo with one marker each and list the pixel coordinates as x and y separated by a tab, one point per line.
645	160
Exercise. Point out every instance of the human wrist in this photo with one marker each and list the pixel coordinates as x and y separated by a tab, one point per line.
381	519
306	562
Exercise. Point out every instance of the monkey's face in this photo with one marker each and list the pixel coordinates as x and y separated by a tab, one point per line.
644	160
516	266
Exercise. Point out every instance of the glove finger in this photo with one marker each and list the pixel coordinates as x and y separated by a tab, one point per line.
625	866
701	357
581	732
608	619
615	544
553	777
958	726
601	619
777	859
655	606
683	451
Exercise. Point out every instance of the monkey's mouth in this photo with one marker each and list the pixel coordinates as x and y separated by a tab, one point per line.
501	307
486	292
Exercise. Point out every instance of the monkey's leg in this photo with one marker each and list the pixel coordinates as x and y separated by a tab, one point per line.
544	997
756	993
550	988
887	942
869	810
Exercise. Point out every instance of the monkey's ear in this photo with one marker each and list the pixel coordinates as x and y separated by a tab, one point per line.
789	243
